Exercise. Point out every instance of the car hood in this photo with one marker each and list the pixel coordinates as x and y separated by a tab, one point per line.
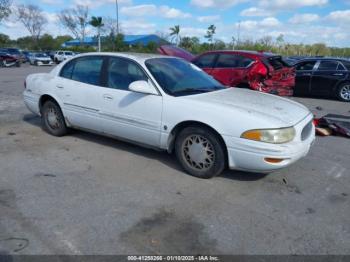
264	106
43	58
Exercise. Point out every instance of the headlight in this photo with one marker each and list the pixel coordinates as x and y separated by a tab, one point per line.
274	136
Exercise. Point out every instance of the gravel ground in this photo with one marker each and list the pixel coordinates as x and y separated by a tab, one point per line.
86	194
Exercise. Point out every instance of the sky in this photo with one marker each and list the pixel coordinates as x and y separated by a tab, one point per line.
300	21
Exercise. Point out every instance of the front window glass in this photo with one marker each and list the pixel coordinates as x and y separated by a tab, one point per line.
306	66
122	72
178	77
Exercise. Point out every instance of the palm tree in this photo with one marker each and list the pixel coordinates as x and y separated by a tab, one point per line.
98	24
175	33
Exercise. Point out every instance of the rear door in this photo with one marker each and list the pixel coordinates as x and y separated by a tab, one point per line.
206	62
326	77
304	71
79	87
230	69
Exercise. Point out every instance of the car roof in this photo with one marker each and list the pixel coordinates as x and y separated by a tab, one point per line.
248	52
324	59
140	57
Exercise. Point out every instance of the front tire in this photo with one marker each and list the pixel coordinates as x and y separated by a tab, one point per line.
53	120
200	152
343	92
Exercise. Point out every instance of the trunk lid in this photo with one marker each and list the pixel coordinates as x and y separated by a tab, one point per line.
171	50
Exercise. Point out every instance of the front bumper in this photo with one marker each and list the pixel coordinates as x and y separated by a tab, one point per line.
41	63
250	155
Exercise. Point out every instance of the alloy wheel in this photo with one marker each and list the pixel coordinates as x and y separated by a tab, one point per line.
198	152
345	92
53	118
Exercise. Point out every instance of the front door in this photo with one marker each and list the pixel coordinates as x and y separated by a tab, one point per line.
304	71
127	114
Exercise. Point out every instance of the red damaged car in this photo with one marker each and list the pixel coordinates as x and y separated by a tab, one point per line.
260	71
7	60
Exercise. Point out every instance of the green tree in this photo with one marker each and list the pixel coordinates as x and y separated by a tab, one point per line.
210	34
120	44
175	33
46	42
4	40
98	24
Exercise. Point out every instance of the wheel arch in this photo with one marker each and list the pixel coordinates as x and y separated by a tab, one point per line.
44	98
340	83
193	123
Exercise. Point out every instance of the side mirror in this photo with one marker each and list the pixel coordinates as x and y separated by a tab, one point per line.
142	87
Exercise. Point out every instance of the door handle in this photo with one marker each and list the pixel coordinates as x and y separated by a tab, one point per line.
306	74
338	74
108	97
60	87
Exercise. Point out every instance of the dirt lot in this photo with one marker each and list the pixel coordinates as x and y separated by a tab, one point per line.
86	194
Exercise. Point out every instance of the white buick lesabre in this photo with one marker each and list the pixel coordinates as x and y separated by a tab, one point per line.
169	104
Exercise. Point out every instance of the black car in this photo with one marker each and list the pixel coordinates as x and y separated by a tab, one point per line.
327	77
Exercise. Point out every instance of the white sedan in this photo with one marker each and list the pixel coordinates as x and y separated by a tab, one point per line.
169	104
40	59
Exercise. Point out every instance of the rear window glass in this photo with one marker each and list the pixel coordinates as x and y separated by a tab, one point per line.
328	65
67	70
88	70
205	61
346	64
233	61
277	63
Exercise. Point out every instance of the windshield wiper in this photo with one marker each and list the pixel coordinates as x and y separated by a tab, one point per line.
192	90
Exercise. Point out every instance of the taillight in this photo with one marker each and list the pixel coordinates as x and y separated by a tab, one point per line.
25	84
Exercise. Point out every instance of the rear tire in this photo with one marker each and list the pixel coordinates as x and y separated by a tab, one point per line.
200	152
343	92
52	119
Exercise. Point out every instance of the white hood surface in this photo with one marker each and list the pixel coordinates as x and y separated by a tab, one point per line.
253	102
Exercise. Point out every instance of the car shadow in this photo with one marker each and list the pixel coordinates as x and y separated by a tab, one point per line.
161	156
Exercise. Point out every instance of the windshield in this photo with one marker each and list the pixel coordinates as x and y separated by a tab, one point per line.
41	55
178	77
14	51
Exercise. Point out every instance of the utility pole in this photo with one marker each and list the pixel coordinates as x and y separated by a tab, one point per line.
238	32
117	10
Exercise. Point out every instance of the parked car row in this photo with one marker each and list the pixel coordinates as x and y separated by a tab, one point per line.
327	77
33	57
7	60
260	71
269	73
170	104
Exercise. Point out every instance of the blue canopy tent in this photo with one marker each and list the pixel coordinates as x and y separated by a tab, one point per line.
128	39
